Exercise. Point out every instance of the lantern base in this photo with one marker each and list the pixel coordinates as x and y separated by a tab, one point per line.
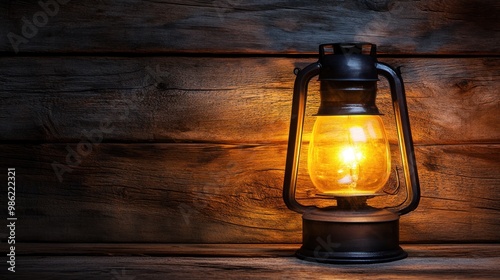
350	237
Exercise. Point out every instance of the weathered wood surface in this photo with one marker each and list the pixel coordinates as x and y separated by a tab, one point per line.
175	250
424	262
235	26
231	100
234	250
208	193
74	81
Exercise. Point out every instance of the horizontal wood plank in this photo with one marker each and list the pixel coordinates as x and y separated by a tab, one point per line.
235	26
424	262
168	249
233	100
234	250
207	193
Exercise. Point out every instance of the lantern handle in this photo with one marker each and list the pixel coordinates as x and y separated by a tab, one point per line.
404	137
295	136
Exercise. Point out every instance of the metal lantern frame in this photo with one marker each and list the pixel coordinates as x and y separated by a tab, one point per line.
355	235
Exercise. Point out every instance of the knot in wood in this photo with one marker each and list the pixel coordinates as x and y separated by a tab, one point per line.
161	86
465	85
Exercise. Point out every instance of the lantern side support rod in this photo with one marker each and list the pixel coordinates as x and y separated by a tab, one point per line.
404	137
295	136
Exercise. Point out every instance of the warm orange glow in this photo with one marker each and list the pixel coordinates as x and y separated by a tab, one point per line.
349	155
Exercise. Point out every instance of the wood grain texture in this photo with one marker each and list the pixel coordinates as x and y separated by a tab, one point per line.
173	250
424	262
208	193
489	250
168	123
235	26
230	100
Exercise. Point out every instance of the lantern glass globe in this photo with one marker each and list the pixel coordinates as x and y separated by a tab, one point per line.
349	155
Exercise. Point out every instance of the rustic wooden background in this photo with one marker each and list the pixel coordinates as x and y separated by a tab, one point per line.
180	114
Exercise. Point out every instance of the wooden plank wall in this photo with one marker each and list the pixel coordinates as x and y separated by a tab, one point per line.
167	122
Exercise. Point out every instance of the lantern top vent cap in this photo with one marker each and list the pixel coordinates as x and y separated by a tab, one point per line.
348	62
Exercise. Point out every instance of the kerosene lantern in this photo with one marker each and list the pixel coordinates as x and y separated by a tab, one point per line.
349	158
